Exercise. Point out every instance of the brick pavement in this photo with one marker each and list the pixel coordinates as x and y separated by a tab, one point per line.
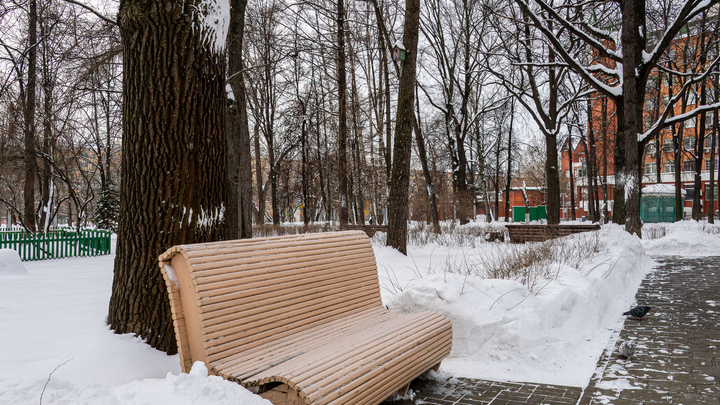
677	360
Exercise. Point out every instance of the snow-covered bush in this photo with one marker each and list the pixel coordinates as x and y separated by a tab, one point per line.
660	230
453	234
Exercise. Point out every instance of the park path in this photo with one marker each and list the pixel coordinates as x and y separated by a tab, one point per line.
677	360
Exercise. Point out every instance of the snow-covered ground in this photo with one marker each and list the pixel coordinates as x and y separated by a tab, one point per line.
54	341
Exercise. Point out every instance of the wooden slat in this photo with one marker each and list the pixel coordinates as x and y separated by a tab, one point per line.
299	310
279	269
414	364
314	337
364	348
265	304
303	310
292	321
383	381
249	254
239	297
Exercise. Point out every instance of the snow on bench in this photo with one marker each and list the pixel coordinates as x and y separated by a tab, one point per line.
298	316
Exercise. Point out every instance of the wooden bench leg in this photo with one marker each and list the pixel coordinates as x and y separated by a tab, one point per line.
281	394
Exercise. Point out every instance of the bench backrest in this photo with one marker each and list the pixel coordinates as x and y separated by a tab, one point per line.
228	297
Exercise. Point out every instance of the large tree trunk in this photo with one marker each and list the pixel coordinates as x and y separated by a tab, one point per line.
553	180
174	163
699	156
618	215
509	161
342	109
422	155
259	182
29	117
398	211
572	174
713	162
633	88
240	203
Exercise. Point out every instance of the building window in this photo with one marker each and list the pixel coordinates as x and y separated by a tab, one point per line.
669	167
689	166
709	119
580	173
650	168
689	143
690	122
707	164
668	145
690	192
707	192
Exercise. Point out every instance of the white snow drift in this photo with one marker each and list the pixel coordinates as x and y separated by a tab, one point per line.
54	340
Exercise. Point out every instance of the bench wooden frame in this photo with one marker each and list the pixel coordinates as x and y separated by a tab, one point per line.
522	233
370	230
298	316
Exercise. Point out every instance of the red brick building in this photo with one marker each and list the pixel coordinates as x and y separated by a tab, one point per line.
659	155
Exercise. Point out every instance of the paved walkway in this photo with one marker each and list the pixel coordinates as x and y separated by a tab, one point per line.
677	360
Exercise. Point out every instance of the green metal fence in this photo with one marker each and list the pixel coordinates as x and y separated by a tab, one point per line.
57	244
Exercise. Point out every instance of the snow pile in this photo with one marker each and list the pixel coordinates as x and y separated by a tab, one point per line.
53	325
555	335
183	389
686	238
187	389
10	263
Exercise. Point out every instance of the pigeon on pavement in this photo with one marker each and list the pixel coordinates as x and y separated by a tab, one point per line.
638	312
627	349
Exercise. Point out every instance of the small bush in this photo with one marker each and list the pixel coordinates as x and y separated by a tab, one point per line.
530	263
654	231
453	234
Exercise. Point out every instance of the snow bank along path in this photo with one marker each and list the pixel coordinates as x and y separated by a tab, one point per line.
554	335
55	314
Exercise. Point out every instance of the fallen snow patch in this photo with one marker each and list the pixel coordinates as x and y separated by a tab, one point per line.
10	263
214	18
686	238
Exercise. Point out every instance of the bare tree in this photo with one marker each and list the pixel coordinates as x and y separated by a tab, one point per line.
398	210
632	60
174	162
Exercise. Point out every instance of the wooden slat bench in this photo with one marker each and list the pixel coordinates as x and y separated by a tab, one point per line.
370	230
298	316
521	233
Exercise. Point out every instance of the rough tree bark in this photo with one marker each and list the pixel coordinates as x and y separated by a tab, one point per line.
342	110
240	202
422	155
509	161
633	88
29	118
398	210
174	160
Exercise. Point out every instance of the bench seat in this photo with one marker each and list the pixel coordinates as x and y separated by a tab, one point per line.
298	316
